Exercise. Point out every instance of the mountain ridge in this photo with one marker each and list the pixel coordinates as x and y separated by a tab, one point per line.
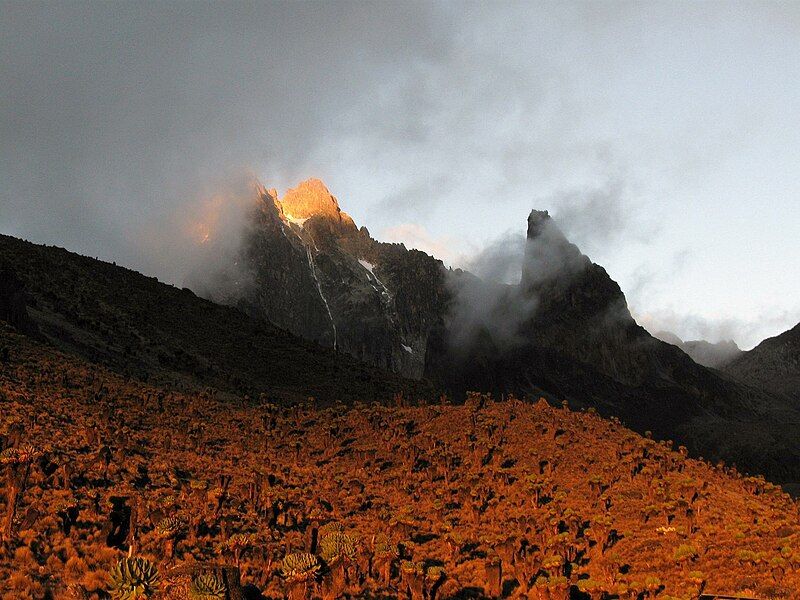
774	364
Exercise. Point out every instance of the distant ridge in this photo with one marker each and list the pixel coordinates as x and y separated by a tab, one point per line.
714	355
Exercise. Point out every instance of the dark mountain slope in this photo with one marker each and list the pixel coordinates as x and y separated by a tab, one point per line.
151	331
774	364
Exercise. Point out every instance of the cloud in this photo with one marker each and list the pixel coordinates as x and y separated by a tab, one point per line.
114	118
412	198
505	283
500	261
594	218
650	298
484	311
203	237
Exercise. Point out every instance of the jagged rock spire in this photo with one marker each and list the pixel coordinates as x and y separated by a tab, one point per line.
549	254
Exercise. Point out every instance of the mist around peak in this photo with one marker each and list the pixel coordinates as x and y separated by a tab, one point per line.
504	283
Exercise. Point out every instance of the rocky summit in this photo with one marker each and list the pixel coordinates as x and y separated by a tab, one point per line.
316	274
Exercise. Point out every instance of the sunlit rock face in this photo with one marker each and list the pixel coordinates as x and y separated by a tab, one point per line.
311	199
319	276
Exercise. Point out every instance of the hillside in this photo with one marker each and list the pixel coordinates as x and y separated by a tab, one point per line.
503	496
774	364
154	332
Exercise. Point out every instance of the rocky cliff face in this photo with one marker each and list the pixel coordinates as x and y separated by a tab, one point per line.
316	274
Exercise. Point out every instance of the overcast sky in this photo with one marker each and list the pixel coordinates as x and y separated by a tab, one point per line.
663	136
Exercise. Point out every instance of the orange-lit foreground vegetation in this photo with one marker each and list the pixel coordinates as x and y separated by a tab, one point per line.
422	502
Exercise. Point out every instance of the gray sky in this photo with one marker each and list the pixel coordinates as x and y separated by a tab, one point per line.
663	136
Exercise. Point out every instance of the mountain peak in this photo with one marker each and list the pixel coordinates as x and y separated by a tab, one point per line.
311	198
549	255
542	226
538	217
538	222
